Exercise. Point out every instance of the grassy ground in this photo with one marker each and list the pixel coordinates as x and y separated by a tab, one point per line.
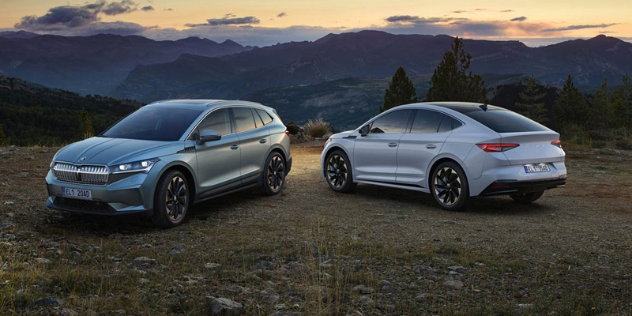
309	251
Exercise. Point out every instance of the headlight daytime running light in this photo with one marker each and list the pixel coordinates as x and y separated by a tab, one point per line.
136	166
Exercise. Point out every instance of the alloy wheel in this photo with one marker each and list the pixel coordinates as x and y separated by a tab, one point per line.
276	173
337	171
176	198
447	186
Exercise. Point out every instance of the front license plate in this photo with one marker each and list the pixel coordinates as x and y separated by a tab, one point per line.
77	193
534	168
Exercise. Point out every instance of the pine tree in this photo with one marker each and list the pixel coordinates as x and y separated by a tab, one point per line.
529	105
3	140
570	107
86	124
452	82
601	109
622	105
400	91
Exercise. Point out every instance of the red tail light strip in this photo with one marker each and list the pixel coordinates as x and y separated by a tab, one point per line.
498	147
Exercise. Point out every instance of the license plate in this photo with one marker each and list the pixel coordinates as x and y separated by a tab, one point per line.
534	168
77	193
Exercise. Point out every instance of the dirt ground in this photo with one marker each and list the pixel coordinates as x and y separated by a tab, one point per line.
310	251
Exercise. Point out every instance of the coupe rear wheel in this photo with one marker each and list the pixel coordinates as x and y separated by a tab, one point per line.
171	200
274	174
339	173
449	186
526	198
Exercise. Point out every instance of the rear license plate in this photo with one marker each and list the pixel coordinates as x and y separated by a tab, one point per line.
534	168
77	193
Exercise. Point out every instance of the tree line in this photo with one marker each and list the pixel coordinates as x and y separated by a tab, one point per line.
605	117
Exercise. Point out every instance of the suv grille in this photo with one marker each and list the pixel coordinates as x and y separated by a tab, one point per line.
82	205
95	175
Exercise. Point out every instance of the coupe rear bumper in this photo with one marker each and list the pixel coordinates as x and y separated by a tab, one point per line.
501	187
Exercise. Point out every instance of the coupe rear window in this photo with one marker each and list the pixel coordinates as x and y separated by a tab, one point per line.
153	123
502	121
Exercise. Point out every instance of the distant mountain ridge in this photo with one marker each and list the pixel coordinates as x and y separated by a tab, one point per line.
371	54
94	64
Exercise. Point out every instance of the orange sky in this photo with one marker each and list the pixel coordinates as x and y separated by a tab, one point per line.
534	21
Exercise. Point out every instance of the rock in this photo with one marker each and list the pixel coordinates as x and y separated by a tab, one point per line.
94	248
49	301
265	265
388	289
9	203
42	260
177	249
225	307
210	265
525	305
270	283
383	283
22	175
145	261
235	289
269	295
365	300
363	289
6	226
143	280
420	297
453	283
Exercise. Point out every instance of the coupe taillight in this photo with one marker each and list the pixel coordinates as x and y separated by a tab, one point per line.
557	143
496	148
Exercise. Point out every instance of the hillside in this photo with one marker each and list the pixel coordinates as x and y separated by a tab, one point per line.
93	64
373	54
34	115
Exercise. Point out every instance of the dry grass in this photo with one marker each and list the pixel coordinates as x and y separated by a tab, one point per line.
306	249
316	128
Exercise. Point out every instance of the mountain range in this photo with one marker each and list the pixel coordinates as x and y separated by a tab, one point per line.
93	64
371	54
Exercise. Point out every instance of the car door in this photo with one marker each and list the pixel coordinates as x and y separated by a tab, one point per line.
375	154
421	145
254	141
218	161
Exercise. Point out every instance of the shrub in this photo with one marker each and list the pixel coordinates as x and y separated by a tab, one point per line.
316	128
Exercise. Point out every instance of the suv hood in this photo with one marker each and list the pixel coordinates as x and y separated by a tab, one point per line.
109	151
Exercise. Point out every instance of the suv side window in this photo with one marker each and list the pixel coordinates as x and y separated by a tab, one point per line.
218	120
427	121
258	120
244	120
267	119
393	122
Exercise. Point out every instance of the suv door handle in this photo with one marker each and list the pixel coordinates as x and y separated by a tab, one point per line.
392	144
263	141
233	147
431	146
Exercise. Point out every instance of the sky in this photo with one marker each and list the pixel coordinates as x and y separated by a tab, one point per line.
263	23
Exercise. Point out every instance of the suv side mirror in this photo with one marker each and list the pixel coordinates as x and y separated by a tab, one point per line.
364	130
208	135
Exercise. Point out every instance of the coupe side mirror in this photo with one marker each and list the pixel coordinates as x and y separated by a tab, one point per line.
364	130
209	135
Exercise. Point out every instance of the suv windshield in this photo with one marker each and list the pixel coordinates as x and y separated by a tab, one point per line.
153	123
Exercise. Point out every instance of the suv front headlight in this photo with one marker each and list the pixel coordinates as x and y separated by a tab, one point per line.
136	166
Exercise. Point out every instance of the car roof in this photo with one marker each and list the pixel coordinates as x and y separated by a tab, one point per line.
461	107
201	104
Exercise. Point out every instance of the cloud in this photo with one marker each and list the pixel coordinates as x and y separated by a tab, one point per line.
147	8
480	9
169	9
459	11
578	27
408	19
282	14
66	17
519	19
228	19
505	11
116	8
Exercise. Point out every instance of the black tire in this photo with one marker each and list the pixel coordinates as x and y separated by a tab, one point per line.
274	172
526	198
449	186
171	202
338	172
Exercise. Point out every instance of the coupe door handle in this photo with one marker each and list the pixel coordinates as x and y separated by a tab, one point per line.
392	144
431	146
263	141
233	147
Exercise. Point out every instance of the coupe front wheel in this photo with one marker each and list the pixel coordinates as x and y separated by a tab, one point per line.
338	172
526	198
449	186
172	199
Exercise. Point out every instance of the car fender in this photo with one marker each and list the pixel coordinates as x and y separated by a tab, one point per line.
445	155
